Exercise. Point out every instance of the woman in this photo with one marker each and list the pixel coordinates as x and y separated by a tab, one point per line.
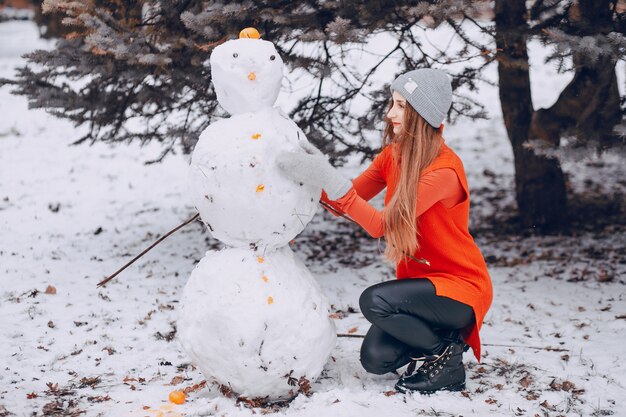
437	305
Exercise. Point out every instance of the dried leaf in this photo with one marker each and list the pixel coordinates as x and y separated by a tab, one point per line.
526	381
52	388
195	387
178	379
532	396
89	381
51	290
109	350
99	399
304	386
225	390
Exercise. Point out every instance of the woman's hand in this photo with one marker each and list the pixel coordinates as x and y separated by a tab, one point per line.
312	167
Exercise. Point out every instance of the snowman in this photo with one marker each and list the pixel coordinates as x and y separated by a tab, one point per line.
252	316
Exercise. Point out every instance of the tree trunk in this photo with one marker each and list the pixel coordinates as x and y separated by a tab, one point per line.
589	107
539	181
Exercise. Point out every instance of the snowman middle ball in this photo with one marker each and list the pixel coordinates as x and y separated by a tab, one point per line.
237	188
251	322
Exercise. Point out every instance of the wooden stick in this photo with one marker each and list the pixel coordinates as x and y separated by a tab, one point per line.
550	349
103	282
358	336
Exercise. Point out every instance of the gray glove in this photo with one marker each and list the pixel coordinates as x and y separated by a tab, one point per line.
312	167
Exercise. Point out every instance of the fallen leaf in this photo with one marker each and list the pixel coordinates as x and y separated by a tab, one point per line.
352	330
89	381
526	381
195	387
51	290
109	350
532	396
177	380
99	399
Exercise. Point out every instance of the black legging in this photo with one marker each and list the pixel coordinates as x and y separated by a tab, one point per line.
407	318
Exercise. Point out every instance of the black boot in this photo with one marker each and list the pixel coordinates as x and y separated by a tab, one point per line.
439	372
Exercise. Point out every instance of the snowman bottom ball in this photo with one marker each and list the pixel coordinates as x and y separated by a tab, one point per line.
253	323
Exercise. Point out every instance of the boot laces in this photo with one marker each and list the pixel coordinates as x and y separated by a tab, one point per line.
435	364
430	362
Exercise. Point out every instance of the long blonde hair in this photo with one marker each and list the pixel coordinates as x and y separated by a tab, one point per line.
413	149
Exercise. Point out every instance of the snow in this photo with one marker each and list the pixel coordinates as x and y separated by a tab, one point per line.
69	216
237	187
247	74
249	314
248	321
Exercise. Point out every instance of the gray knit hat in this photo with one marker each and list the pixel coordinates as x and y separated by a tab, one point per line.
428	91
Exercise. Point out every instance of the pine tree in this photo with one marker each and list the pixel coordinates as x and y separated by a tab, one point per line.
137	70
589	33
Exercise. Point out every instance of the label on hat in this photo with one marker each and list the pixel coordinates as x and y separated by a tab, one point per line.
410	86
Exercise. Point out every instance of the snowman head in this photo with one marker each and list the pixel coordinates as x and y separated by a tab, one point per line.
246	73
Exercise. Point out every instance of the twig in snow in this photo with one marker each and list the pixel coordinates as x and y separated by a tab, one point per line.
350	335
103	282
548	348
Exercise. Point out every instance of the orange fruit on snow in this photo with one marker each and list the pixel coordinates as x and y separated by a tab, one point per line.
256	136
177	397
252	76
260	188
265	278
260	259
270	300
250	33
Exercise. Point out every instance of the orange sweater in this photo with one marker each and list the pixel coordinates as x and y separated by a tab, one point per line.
456	266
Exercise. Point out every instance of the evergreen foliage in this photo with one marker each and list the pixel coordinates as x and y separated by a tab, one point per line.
138	70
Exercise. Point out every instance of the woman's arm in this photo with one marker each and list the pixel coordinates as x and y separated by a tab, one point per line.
441	185
367	185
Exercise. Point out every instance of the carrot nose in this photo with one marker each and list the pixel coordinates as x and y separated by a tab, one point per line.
252	76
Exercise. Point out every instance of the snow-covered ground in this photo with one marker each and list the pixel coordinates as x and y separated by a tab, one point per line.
69	216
